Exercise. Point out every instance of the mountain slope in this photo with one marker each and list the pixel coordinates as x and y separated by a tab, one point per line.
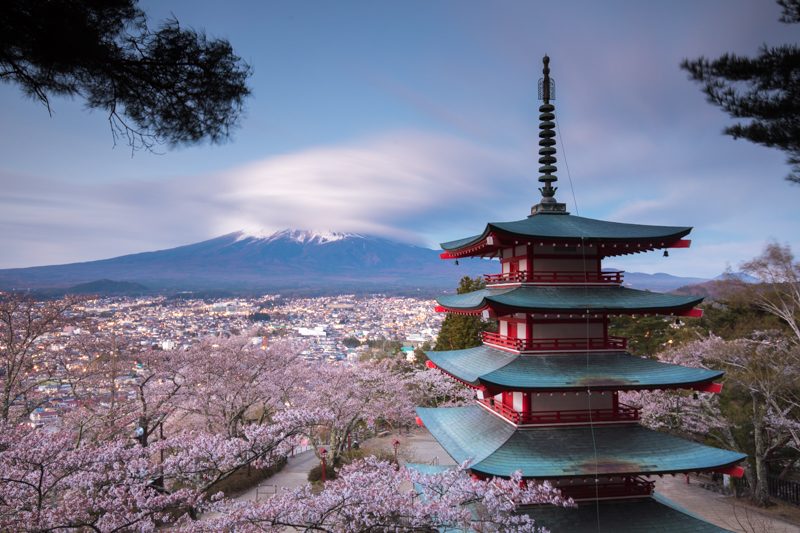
290	259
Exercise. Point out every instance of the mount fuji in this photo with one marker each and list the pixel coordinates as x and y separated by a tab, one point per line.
291	260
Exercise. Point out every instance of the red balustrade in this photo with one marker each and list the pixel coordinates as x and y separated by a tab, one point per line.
624	413
552	276
533	345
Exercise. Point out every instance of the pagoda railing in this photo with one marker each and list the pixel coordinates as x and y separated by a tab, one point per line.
628	487
553	276
624	413
533	345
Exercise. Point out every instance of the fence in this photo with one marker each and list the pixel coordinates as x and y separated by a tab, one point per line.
784	489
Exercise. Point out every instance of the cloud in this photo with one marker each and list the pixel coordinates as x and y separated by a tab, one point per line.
402	185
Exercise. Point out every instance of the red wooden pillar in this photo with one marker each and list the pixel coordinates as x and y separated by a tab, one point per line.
529	257
526	406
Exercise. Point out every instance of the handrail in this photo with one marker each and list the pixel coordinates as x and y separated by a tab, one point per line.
574	343
554	276
623	413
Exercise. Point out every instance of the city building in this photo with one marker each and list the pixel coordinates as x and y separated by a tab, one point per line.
548	381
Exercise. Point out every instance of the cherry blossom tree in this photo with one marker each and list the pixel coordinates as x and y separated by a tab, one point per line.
49	482
756	414
201	460
232	382
24	361
368	394
432	388
375	495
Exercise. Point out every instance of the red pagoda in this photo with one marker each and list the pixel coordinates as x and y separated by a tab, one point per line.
548	380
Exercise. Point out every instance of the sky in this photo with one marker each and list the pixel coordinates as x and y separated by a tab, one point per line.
418	121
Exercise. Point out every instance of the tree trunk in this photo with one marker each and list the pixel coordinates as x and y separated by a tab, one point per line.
760	490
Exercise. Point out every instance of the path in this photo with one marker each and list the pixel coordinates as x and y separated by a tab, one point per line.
293	475
723	511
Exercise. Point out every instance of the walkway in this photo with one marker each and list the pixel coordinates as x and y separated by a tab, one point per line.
293	475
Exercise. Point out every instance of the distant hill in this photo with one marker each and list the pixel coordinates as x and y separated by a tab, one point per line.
659	282
108	287
289	261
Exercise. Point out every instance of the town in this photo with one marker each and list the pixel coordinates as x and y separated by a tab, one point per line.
330	330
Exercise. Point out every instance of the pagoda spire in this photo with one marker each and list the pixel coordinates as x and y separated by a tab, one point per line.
547	142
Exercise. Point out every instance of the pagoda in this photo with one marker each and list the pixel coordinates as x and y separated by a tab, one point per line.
548	381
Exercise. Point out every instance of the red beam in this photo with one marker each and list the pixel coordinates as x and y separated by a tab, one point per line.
440	309
418	420
695	312
733	471
446	255
683	243
430	364
715	388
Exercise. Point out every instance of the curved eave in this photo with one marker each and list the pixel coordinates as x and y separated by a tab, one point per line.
496	370
546	229
496	448
645	515
567	300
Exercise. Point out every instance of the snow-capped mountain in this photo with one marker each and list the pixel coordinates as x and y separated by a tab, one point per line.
298	260
298	235
291	260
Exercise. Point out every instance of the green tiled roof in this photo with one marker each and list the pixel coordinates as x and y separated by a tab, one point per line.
648	515
548	226
497	448
546	298
656	514
484	365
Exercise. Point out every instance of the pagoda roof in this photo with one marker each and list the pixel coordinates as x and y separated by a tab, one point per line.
645	515
574	228
497	448
580	299
484	365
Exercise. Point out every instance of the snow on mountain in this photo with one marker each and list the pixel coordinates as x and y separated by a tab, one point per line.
297	235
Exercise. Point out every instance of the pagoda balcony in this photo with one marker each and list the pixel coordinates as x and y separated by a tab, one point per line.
549	345
623	413
630	487
552	276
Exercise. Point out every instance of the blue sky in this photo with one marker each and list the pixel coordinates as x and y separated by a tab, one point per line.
417	120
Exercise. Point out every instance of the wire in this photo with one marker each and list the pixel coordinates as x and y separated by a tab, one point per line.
586	294
566	165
